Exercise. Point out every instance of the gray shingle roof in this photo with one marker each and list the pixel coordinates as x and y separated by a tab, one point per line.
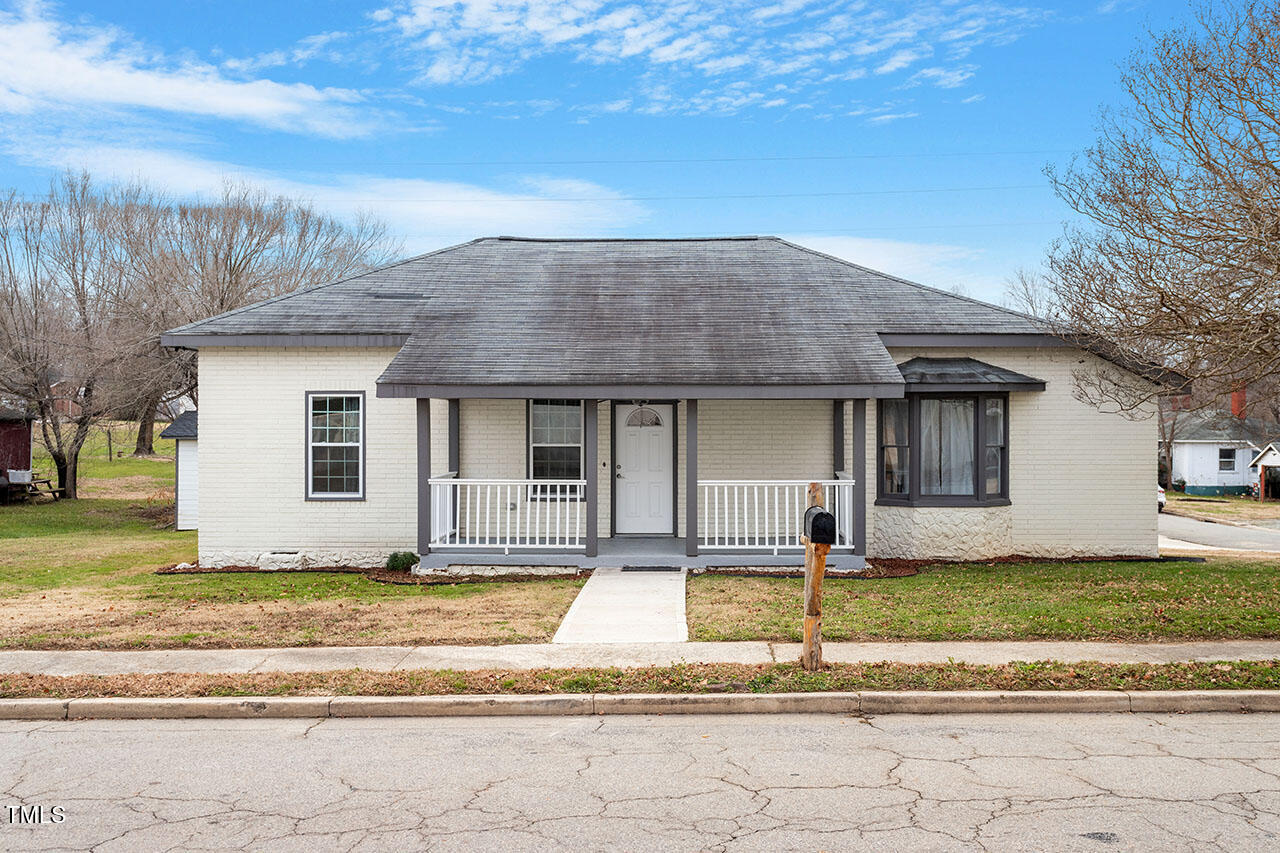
525	311
1219	425
183	426
959	372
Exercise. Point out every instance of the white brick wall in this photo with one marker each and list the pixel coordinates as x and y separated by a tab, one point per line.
1081	481
253	458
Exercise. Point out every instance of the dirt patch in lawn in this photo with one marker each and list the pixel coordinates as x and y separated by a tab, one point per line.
138	487
71	619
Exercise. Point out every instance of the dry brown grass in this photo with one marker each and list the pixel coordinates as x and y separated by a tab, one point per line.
684	678
110	619
138	487
1231	508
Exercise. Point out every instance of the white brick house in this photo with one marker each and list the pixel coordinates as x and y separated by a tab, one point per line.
595	402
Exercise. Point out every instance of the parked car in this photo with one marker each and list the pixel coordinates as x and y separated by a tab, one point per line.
1160	499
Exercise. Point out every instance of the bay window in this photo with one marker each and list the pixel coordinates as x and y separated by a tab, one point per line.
943	450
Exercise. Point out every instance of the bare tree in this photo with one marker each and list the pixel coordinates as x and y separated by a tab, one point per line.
61	338
1181	264
194	260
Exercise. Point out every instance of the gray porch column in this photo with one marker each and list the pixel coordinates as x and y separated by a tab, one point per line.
591	466
424	476
837	435
691	479
455	424
859	473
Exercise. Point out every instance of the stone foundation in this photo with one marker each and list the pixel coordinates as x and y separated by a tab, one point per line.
944	533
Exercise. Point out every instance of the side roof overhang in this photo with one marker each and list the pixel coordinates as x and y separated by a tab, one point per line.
936	375
185	425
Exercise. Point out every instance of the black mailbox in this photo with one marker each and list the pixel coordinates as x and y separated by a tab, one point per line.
820	526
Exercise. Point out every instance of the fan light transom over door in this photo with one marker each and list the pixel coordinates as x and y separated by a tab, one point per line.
644	472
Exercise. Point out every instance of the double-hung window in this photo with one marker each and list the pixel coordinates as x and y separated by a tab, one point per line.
1226	459
555	446
943	450
335	446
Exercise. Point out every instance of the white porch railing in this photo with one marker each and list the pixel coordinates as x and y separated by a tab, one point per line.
507	514
768	514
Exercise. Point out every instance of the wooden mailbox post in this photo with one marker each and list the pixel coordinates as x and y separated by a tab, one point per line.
816	547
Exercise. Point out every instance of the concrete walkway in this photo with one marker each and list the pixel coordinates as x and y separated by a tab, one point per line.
549	655
617	606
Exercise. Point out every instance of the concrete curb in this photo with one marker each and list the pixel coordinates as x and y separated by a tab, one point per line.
868	703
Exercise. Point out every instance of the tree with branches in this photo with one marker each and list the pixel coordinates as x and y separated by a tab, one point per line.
1179	263
196	259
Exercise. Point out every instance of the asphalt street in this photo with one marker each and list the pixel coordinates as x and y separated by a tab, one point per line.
962	782
1219	535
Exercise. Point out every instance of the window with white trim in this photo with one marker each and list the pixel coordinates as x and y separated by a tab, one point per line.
335	446
555	445
1226	459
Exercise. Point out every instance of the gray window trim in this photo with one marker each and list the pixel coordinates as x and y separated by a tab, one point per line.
364	445
914	497
528	447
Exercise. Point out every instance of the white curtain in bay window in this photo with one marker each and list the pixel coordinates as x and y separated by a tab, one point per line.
946	446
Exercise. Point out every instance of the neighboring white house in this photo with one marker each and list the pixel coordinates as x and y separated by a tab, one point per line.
186	479
602	402
1213	450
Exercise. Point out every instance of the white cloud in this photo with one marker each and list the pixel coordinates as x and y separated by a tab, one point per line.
886	118
306	49
943	78
901	59
676	42
425	213
48	65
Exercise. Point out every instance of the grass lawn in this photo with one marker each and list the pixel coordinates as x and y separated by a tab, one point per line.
1228	507
1145	601
685	678
80	575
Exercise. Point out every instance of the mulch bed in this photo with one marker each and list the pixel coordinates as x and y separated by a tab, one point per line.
379	575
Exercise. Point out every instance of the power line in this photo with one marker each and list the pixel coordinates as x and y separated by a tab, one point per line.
665	161
708	197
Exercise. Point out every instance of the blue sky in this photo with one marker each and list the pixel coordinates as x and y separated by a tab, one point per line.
907	136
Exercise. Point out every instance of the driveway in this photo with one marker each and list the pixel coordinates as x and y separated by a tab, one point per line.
1218	535
1033	782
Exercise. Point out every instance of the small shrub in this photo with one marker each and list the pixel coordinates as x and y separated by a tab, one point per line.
402	561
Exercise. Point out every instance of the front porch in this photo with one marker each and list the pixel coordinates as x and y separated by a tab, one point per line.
640	501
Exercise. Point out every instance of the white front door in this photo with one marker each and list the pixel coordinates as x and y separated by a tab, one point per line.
644	472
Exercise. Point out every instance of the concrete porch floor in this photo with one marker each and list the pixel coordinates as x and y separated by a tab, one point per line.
622	551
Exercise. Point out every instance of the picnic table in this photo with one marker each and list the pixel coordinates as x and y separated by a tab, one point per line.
31	489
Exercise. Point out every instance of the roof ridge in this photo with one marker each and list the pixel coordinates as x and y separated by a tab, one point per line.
273	299
517	239
911	283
